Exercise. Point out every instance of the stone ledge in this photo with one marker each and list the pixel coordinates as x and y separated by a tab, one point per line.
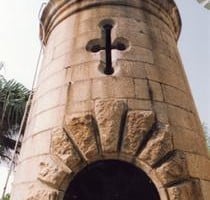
58	10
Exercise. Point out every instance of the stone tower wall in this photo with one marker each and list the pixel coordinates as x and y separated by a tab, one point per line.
143	113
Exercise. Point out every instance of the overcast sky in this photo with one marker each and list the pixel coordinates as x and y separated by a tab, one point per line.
19	47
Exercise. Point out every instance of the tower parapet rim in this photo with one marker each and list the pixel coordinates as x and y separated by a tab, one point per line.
58	10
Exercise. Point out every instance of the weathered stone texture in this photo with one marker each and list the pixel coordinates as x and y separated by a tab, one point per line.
138	124
205	186
174	169
186	191
142	112
62	147
109	114
43	195
158	146
81	128
52	173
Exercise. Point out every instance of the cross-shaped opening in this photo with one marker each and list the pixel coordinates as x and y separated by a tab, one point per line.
106	44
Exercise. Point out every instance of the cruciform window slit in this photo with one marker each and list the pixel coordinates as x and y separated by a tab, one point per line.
106	44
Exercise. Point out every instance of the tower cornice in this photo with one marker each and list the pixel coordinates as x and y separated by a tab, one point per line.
58	10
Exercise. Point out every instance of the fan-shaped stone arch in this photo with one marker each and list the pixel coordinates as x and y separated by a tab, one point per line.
114	133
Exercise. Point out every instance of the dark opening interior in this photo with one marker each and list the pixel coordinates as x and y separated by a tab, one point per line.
111	180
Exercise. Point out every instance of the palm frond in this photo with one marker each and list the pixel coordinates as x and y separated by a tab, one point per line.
13	98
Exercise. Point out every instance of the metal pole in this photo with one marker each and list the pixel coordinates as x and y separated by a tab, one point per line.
26	110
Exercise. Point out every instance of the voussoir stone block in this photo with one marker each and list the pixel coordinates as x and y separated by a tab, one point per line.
158	146
205	186
138	124
62	147
52	173
109	115
82	129
186	191
43	195
174	169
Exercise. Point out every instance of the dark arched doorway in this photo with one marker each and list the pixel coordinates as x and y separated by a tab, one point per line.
111	180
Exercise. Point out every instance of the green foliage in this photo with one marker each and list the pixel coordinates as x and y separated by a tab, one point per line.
6	197
13	98
207	134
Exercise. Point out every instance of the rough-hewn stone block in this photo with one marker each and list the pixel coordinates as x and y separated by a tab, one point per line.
109	116
52	174
174	169
205	186
158	146
82	129
43	194
62	147
138	124
186	191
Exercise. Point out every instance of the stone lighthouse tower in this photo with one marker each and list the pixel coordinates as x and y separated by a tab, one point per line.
112	117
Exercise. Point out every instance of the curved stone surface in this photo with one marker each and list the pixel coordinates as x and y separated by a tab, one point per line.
52	16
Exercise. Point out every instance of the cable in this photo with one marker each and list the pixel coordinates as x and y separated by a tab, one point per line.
27	104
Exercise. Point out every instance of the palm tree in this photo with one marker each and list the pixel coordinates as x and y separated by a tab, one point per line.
13	98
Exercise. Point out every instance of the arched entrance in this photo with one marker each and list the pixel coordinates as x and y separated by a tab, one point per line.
111	180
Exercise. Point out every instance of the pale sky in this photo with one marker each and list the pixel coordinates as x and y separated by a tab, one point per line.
19	47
